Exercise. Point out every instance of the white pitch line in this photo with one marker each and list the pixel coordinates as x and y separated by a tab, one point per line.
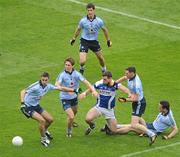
149	150
129	15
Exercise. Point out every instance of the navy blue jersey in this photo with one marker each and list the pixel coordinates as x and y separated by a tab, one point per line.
107	94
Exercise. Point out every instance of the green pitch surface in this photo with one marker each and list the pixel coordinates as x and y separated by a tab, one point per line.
34	37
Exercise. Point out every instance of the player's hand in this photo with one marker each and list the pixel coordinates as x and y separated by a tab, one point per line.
164	137
72	41
95	94
109	43
82	95
22	105
121	99
78	90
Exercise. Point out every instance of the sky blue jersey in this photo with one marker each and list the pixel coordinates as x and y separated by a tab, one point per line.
35	91
90	28
135	86
107	94
70	80
162	122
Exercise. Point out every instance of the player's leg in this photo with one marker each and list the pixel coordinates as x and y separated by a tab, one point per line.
138	110
82	57
42	127
142	121
112	124
42	123
75	110
49	120
125	128
101	60
137	126
118	129
70	119
90	116
70	115
96	48
83	54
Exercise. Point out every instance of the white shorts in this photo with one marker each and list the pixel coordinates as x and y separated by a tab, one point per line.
107	113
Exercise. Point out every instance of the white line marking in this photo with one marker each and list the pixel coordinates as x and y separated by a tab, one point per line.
149	150
129	15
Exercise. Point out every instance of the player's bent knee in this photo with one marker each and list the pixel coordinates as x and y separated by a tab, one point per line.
50	120
42	121
88	119
134	126
71	117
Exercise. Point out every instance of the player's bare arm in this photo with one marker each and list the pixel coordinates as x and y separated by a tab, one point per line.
65	89
121	79
125	90
76	34
106	34
91	88
173	132
22	95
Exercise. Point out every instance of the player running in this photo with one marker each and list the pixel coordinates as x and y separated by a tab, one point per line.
70	78
91	24
30	105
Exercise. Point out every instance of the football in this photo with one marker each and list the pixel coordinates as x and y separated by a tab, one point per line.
17	141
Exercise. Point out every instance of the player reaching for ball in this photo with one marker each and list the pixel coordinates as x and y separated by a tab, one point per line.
30	105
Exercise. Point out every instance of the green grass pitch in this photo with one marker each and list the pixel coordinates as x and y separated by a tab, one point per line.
34	37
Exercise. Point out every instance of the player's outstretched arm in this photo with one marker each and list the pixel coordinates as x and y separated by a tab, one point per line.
121	79
91	88
131	97
22	95
76	34
84	94
173	132
65	89
106	34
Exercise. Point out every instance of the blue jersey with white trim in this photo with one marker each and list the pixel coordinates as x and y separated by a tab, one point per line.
35	91
90	28
162	122
70	80
135	86
107	94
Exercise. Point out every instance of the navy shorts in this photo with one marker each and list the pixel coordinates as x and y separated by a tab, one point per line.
151	127
69	103
138	108
28	111
85	45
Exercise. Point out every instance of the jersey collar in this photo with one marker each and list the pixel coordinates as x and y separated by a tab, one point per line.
43	86
132	78
165	114
69	72
91	20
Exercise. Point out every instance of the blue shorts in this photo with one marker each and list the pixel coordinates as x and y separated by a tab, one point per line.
69	103
151	127
28	111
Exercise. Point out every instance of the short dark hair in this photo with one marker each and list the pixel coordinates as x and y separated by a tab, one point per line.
90	5
108	74
131	69
165	104
45	74
71	60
